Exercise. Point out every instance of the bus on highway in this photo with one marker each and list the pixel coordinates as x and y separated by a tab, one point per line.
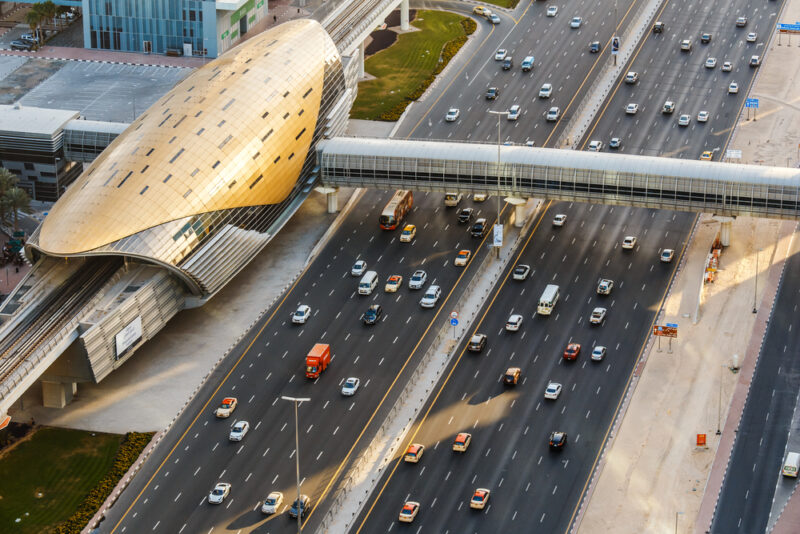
396	209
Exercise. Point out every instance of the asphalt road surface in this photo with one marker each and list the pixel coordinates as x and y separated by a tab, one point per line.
754	471
533	487
170	494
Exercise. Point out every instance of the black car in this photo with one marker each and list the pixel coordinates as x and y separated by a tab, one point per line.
477	343
373	314
558	440
479	228
22	45
508	63
465	215
595	47
492	93
705	38
305	504
658	27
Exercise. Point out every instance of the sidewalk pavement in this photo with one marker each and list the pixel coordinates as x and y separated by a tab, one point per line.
651	474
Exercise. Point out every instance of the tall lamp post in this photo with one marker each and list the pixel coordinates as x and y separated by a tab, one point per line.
296	401
499	114
755	286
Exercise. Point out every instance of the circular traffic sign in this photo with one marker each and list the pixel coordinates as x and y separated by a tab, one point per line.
454	321
454	315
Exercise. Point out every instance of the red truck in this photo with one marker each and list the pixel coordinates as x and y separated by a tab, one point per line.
317	360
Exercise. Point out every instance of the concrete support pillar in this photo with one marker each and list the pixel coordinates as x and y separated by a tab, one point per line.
519	210
404	15
361	60
332	196
725	232
57	394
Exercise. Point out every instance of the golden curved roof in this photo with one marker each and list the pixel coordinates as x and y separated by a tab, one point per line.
234	133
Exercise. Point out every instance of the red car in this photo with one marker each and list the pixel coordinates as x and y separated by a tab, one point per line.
572	351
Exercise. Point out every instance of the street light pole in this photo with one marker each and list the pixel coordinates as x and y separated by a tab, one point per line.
719	404
499	114
296	401
676	521
755	286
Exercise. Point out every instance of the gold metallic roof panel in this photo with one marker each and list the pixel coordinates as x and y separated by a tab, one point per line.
234	133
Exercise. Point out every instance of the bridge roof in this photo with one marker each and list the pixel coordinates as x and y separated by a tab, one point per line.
568	159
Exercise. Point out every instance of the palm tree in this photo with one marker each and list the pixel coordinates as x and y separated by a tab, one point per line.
33	18
48	10
17	200
8	181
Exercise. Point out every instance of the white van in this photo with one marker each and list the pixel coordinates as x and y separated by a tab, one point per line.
368	283
548	299
791	464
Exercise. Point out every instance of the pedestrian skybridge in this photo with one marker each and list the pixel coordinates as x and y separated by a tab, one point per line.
596	177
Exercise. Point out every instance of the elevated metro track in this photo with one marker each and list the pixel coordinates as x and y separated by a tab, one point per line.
641	181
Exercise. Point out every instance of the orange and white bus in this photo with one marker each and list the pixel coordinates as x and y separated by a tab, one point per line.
396	209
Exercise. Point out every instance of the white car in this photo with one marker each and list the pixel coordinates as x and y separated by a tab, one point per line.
239	431
684	120
501	54
604	286
546	90
552	391
559	219
553	114
595	146
431	297
514	322
359	268
727	66
452	115
218	494
479	197
575	22
702	116
629	242
598	353
711	63
686	45
494	19
350	386
752	37
733	88
552	11
631	108
598	314
272	503
514	112
301	315
521	272
417	279
667	254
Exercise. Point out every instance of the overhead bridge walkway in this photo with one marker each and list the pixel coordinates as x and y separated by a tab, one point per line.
724	189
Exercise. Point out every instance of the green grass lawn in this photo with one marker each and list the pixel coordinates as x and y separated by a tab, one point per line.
43	480
402	67
511	4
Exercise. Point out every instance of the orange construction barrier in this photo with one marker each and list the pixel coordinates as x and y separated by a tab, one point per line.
701	440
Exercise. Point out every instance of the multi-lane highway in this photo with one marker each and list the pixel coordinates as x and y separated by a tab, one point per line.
170	494
509	452
532	487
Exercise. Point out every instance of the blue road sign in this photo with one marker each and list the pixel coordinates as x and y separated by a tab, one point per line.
673	325
751	103
454	322
790	27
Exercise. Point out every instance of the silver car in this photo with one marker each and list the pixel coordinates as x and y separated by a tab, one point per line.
431	297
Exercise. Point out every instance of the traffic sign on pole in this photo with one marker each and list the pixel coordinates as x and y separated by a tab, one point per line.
454	322
751	103
454	315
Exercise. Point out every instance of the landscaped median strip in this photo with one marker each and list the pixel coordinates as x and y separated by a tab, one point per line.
405	70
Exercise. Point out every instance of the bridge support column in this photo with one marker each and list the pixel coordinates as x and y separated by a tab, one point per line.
361	60
404	15
57	394
332	195
725	230
519	210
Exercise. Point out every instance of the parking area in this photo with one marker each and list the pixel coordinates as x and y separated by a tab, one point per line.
103	91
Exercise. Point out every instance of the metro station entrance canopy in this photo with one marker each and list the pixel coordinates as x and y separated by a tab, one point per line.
642	181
